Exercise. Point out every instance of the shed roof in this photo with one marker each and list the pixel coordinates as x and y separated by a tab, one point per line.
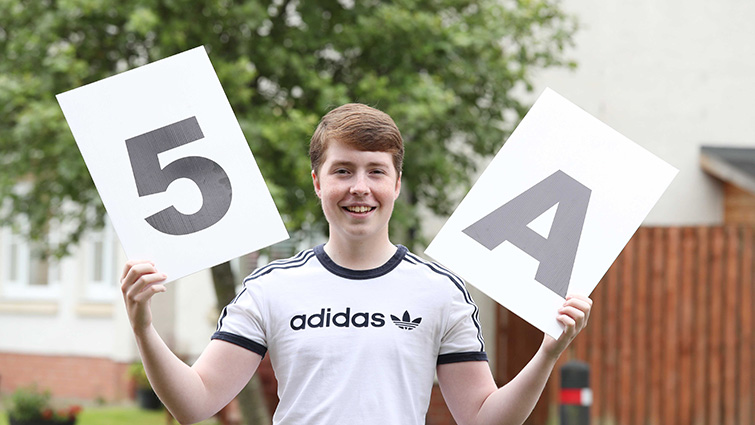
735	165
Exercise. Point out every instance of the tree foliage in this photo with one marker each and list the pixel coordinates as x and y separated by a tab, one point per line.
450	72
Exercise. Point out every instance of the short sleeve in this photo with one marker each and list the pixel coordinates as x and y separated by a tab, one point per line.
462	339
241	321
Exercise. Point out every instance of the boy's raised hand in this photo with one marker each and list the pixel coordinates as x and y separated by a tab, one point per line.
573	315
140	281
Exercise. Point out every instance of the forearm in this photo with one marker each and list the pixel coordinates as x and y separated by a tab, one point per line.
193	393
471	393
179	387
513	403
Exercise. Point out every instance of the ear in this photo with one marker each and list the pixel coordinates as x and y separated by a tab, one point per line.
398	187
316	183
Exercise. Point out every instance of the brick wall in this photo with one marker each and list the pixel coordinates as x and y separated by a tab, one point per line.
90	378
86	378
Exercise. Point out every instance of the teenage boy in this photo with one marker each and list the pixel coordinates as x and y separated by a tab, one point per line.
357	328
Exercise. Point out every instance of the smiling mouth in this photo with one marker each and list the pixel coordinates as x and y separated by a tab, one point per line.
359	209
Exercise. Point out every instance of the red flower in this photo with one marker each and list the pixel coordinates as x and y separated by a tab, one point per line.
47	414
73	411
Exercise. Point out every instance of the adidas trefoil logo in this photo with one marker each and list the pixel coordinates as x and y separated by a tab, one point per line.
406	321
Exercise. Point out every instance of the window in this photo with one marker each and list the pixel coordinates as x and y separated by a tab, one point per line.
100	264
29	273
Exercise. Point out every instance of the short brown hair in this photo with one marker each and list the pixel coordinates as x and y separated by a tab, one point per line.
360	127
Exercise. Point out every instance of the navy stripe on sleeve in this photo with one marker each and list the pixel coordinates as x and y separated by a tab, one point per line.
459	283
474	356
241	342
296	261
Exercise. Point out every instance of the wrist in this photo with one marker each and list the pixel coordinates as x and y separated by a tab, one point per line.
550	349
142	331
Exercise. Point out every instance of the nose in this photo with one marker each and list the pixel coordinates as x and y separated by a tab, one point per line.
360	185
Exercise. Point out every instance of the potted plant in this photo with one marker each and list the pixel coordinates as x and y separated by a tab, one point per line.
30	406
145	395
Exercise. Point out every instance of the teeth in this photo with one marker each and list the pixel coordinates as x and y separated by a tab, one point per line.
360	209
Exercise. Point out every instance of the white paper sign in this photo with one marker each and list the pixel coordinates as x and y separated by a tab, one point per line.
551	212
172	166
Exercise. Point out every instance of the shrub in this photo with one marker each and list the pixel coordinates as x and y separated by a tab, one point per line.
29	403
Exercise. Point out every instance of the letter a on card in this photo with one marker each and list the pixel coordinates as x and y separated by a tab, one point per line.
557	251
552	211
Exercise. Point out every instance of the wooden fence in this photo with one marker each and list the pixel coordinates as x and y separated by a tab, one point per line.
670	339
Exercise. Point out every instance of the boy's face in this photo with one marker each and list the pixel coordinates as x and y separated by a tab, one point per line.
357	190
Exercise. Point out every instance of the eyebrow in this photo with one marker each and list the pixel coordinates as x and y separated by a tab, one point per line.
369	164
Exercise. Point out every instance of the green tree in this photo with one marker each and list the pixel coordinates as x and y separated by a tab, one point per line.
450	72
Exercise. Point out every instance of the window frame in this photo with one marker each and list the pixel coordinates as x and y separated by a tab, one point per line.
101	288
17	287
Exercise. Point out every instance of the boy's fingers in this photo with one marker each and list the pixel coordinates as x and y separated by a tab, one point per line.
581	303
136	271
139	278
569	324
147	281
573	312
579	299
148	292
131	264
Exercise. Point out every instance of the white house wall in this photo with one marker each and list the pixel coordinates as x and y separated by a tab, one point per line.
670	75
68	323
72	323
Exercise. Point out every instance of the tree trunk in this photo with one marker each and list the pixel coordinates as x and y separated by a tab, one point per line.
412	233
252	398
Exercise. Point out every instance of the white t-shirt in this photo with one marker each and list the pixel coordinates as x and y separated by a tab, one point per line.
354	346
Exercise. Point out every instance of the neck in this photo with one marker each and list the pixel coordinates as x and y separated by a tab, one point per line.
359	255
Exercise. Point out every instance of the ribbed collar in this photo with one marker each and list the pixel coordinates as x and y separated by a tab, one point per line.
337	270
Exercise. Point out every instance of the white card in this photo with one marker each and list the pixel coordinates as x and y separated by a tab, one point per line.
552	211
172	166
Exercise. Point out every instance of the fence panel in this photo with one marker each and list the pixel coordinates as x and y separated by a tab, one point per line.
670	339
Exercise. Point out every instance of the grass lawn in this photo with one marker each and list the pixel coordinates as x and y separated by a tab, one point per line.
118	416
